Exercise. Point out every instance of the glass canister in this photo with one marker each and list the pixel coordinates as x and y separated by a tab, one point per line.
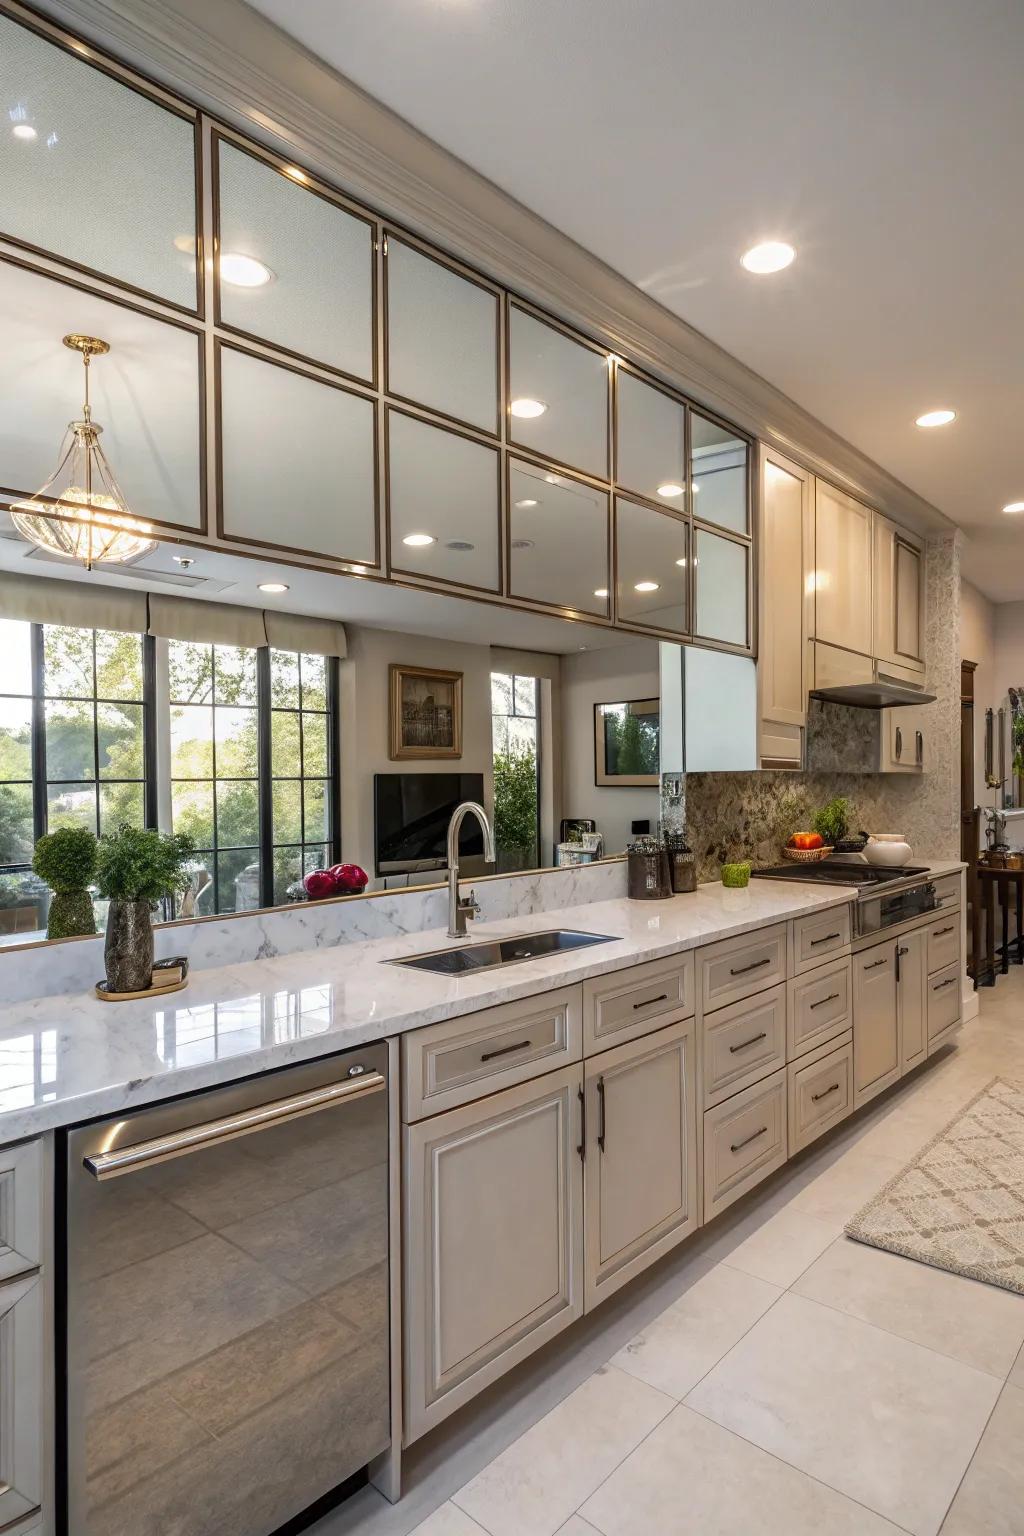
681	862
648	877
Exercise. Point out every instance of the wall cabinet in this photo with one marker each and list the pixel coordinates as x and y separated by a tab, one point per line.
640	1174
876	1035
842	574
786	558
899	606
905	740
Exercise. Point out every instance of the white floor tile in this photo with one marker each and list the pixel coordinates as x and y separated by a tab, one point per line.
577	1526
449	1520
1016	1376
693	1478
693	1334
991	1498
979	1324
781	1249
532	1488
887	1422
839	1192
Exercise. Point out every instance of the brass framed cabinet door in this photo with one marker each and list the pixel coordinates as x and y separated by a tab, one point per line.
21	1398
640	1174
912	974
493	1197
876	1044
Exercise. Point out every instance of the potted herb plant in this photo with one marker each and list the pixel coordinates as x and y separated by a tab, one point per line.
135	868
66	860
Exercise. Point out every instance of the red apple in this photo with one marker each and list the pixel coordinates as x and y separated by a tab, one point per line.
348	879
319	883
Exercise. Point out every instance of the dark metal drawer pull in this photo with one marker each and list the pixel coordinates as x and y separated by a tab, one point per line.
824	1093
649	1002
823	1000
950	981
826	939
506	1050
582	1148
939	931
743	969
875	964
601	1123
752	1041
738	1146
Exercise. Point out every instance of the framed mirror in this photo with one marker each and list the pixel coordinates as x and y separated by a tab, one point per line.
443	494
651	567
557	394
627	743
722	587
558	540
650	439
718	475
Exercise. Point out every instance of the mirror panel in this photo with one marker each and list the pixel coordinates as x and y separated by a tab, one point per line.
651	564
293	267
650	436
720	711
721	574
442	487
568	381
558	531
442	337
145	395
718	473
69	122
298	460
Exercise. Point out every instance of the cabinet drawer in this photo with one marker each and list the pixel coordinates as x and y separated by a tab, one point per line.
462	1059
947	890
631	1003
21	1218
743	1043
943	1000
944	943
820	937
734	968
820	1092
819	1007
744	1141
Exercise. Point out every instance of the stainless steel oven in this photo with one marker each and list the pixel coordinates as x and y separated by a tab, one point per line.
227	1303
887	908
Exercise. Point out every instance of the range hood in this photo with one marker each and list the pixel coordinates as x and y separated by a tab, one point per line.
843	677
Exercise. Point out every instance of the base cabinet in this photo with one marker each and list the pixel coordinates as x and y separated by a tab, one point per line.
912	997
21	1398
876	1035
640	1173
494	1239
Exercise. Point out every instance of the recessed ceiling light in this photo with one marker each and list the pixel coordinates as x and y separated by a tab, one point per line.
670	488
522	543
243	271
553	479
273	586
768	256
1014	506
24	131
295	174
682	561
936	419
646	586
419	540
185	561
527	501
601	592
186	244
527	408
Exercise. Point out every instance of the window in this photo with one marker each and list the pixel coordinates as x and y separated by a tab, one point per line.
300	766
516	749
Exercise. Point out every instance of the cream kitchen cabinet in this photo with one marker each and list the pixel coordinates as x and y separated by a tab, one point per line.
786	552
640	1173
876	1035
22	1379
899	605
905	740
912	996
493	1252
841	576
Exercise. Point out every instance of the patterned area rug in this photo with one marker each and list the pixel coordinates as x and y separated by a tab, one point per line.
960	1204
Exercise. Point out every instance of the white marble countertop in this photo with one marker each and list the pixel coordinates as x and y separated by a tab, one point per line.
70	1058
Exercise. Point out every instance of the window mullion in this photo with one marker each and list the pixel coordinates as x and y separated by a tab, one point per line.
333	757
39	808
264	782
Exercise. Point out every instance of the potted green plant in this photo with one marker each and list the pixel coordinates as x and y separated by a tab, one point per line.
832	822
66	860
515	806
135	868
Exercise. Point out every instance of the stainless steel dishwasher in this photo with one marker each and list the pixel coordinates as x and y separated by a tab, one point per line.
227	1303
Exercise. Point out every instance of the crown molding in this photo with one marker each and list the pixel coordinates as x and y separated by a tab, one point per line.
228	59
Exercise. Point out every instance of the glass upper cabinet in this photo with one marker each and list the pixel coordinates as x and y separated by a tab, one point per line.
298	461
145	394
558	540
650	436
294	268
722	580
442	337
718	474
443	501
558	394
651	562
94	170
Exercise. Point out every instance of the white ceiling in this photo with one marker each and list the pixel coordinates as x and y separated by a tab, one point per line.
882	140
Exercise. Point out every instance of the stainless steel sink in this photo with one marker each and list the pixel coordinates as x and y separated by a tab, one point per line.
497	952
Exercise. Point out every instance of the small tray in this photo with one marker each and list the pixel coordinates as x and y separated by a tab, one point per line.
156	989
806	855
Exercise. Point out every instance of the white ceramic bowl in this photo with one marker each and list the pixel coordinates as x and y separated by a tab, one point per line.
888	848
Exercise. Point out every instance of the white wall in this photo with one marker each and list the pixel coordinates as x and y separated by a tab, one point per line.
978	644
604	677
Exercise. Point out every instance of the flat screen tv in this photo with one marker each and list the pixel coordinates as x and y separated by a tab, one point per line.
411	813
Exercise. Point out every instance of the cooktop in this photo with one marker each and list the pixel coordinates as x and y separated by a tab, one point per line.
832	872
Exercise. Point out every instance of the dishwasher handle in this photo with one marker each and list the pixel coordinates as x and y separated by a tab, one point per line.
146	1154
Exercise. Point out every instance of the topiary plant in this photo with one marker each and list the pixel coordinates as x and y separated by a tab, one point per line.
142	864
66	860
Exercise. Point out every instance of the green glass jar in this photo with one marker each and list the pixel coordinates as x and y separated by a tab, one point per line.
736	875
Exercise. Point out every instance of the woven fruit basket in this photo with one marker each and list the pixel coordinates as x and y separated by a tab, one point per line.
806	855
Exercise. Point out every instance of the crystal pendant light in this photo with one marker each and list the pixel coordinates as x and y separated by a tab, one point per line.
87	520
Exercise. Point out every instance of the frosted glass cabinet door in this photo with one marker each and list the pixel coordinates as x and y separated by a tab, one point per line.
558	540
721	577
443	502
718	475
558	395
306	283
94	171
442	335
297	461
652	566
650	432
145	395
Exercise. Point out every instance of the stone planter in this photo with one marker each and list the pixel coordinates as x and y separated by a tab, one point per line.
129	947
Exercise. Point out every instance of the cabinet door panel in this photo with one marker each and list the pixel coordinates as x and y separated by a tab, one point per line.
559	540
651	567
493	1254
21	1197
650	431
912	968
718	475
569	381
721	578
442	486
21	1397
842	570
785	526
876	1047
641	1169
